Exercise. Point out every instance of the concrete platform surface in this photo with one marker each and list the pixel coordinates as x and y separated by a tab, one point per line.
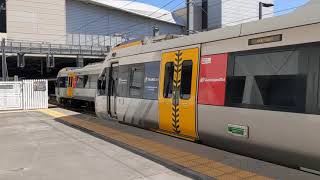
191	159
35	147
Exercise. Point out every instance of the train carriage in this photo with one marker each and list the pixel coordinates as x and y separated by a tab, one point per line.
252	89
77	86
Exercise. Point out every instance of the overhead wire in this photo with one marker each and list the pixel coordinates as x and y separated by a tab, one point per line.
264	14
132	26
162	7
119	24
101	17
191	3
282	10
219	3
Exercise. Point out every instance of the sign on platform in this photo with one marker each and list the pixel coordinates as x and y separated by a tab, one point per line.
40	86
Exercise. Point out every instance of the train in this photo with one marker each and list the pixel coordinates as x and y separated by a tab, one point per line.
251	89
76	87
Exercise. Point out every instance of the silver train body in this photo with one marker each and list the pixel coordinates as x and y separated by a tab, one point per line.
266	105
77	86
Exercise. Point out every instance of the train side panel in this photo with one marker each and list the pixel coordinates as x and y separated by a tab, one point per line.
101	106
84	94
138	112
101	93
280	137
270	104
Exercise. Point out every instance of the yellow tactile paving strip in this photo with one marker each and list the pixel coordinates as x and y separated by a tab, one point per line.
185	159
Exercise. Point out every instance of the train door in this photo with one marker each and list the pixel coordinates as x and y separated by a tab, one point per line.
71	84
112	90
57	85
177	98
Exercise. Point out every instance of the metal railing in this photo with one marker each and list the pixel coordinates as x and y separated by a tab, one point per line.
95	40
13	46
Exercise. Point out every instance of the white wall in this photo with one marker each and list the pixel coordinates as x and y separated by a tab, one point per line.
223	13
36	20
240	11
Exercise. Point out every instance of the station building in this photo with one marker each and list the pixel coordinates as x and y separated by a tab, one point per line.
84	22
51	35
213	14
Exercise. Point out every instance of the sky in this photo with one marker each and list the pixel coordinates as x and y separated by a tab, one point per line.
280	5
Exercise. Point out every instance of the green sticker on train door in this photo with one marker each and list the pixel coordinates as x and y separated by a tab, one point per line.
237	130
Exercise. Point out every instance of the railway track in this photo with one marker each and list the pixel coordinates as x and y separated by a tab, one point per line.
81	109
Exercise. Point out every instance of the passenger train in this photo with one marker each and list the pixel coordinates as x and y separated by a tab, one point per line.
251	89
77	86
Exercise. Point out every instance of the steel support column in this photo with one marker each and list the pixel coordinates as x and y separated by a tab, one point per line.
4	61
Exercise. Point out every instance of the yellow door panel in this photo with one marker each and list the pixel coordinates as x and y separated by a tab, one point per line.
71	84
177	99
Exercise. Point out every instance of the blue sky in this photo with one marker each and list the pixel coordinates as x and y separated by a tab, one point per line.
285	4
279	4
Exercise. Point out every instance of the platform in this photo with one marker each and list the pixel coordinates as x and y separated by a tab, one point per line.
176	158
35	147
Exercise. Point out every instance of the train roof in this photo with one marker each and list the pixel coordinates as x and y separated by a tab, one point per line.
90	68
305	15
68	69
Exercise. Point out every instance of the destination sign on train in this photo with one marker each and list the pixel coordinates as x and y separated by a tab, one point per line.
267	39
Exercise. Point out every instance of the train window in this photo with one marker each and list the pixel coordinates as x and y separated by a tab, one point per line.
274	80
69	81
151	80
236	89
113	81
269	92
186	80
271	63
136	82
82	81
58	82
92	82
87	85
122	90
102	83
62	82
273	91
168	80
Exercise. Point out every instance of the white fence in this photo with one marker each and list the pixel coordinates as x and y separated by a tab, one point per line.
26	94
35	94
10	95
